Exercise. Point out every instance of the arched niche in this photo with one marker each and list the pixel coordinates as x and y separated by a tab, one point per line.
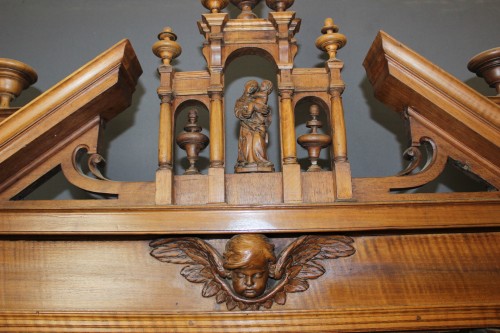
180	120
264	51
302	116
243	65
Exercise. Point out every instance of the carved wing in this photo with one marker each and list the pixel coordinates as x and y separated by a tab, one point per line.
204	264
300	261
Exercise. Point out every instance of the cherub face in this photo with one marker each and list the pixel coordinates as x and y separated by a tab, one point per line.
250	282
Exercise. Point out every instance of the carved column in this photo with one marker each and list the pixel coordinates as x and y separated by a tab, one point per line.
167	49
287	119
286	26
341	165
292	184
216	170
331	41
212	27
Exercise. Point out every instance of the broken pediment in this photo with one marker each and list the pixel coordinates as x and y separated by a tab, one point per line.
51	130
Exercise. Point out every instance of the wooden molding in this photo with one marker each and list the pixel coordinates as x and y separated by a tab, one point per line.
91	218
352	320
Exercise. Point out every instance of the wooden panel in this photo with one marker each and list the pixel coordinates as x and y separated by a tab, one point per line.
416	280
318	187
90	217
191	190
254	188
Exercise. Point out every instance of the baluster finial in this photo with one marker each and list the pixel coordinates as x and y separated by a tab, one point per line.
331	41
279	5
215	6
487	65
167	48
15	76
246	7
192	141
314	141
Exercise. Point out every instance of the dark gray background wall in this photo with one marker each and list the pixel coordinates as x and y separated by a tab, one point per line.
58	36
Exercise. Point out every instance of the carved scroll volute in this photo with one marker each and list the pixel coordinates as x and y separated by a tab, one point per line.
215	6
15	76
192	141
314	141
242	276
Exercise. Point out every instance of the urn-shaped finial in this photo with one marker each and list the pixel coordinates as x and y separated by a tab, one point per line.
215	6
192	141
279	5
314	141
331	41
246	7
487	65
15	76
166	47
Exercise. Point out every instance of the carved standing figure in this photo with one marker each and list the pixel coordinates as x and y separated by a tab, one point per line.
255	117
241	276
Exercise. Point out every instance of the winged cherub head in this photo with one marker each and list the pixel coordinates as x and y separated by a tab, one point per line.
248	257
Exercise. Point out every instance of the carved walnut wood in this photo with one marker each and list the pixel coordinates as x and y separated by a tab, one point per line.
487	65
314	141
192	141
249	261
451	118
426	261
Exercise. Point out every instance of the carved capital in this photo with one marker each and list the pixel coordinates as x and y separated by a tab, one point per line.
286	93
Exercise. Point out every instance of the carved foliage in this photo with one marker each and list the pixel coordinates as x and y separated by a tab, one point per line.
249	261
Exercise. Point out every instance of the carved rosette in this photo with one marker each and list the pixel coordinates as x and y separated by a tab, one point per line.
248	276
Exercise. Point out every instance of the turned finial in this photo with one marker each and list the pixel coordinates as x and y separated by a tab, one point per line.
15	77
331	41
167	48
314	141
279	5
192	141
215	6
487	65
246	7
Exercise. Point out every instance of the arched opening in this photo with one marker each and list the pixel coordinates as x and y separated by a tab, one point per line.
241	67
181	162
302	116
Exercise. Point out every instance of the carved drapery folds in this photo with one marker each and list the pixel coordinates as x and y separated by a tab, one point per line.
249	276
